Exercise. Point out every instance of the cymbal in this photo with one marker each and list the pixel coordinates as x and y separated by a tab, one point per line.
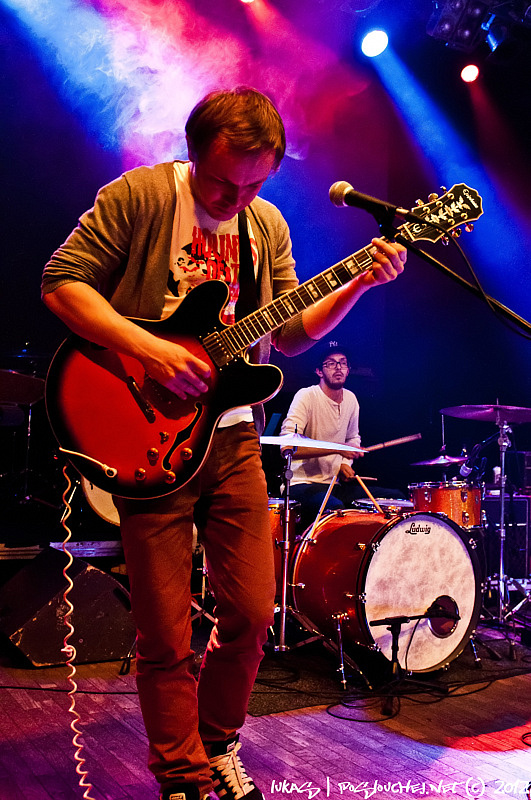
493	413
297	440
18	388
440	461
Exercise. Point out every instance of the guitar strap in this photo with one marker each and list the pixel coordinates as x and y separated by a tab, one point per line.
247	300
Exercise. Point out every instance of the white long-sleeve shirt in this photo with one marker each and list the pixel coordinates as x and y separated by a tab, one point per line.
313	414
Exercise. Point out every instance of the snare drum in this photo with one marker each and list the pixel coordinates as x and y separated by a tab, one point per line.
276	510
367	567
389	504
457	500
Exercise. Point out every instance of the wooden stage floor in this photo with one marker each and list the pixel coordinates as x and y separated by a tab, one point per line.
468	745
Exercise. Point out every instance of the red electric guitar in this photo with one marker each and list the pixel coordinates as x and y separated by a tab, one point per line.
132	437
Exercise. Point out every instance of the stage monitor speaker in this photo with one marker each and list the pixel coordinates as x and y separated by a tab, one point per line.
517	535
32	612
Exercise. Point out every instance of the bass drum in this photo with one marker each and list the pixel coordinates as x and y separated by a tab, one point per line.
101	502
369	567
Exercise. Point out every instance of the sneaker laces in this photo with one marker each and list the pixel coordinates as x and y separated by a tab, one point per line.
230	769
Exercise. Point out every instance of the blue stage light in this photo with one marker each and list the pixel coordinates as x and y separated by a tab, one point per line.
374	43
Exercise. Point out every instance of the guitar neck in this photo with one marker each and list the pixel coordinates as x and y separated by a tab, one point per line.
227	344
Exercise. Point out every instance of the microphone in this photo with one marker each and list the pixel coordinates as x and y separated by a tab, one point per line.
343	194
436	610
469	464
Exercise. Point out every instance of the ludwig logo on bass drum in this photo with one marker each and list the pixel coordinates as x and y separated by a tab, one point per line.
418	528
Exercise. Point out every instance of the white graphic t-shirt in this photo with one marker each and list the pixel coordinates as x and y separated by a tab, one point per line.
203	248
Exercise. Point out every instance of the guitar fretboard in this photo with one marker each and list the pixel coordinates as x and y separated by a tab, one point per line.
223	346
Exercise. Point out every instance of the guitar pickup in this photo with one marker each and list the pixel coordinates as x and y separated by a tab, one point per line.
145	407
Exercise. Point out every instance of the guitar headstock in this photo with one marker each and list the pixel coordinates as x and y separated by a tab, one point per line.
458	206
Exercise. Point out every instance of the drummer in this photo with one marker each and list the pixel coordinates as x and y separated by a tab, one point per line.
327	412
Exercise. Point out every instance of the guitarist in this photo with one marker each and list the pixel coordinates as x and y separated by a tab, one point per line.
151	236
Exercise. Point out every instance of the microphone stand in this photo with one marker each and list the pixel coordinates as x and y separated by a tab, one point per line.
503	310
394	624
385	218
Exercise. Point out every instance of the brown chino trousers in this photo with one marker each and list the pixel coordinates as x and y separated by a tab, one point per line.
229	495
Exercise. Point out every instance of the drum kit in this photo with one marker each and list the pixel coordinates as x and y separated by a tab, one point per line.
403	578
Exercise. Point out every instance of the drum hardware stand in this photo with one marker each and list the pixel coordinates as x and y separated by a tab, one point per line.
339	619
200	606
475	639
285	545
504	610
283	607
522	603
399	678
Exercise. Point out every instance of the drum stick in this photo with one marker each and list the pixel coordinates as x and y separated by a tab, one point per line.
392	442
369	495
323	504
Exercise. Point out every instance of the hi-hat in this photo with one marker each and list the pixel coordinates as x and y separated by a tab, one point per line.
297	440
18	388
493	413
440	461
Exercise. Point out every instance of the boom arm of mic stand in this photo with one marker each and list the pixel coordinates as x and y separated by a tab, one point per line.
506	312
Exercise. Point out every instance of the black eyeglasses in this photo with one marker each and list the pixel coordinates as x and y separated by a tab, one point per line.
331	363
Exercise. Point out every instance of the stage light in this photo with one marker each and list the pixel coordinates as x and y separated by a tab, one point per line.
459	23
469	24
496	33
470	73
374	43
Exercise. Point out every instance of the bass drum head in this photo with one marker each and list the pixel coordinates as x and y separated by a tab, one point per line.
422	560
101	502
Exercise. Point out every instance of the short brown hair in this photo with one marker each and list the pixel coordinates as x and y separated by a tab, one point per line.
244	117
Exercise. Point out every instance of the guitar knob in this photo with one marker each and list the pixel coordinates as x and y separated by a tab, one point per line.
140	474
186	454
469	227
152	455
170	477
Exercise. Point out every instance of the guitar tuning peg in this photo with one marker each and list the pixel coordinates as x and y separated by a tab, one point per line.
469	227
432	197
443	189
445	241
456	233
419	202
